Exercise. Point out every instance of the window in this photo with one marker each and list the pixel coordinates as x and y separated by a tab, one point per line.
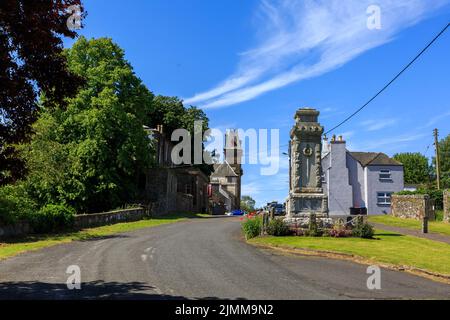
385	175
384	198
231	179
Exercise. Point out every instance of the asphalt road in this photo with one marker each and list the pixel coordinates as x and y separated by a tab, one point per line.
196	259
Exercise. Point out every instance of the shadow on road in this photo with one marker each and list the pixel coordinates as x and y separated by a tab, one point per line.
95	290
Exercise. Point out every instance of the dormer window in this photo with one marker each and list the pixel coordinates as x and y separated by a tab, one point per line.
385	175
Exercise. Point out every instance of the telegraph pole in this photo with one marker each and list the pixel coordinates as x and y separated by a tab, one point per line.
436	144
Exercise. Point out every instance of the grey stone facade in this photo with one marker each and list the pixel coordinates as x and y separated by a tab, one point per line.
170	188
305	193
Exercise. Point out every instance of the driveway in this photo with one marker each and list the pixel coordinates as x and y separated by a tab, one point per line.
197	259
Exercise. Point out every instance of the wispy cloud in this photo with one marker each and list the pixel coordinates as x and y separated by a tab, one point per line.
436	119
375	125
388	143
304	39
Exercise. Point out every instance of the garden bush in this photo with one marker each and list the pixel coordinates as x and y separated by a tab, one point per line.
314	230
15	204
252	227
53	218
339	230
278	228
363	229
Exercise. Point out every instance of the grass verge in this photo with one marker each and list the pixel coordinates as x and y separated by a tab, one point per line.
10	248
433	226
406	252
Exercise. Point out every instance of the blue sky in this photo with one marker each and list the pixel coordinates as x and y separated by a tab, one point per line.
252	64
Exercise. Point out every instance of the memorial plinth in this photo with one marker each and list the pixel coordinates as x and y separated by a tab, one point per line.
306	195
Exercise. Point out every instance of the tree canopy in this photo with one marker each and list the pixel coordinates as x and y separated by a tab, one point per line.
444	163
248	203
416	167
91	154
31	62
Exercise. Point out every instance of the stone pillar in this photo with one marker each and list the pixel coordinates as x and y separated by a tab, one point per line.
306	195
447	206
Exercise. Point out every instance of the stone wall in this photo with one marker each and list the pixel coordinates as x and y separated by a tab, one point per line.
23	228
108	218
447	206
412	207
19	229
185	202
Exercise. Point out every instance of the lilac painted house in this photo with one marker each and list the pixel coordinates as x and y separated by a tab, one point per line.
362	180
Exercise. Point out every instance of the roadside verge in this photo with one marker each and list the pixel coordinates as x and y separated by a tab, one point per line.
13	247
393	251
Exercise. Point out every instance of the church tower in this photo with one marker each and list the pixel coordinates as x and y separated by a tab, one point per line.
233	150
233	155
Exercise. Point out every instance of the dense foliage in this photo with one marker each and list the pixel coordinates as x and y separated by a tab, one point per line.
53	218
444	154
15	204
248	204
278	228
90	155
363	229
252	227
30	62
416	167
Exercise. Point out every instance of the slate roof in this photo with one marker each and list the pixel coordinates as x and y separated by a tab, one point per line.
374	159
223	170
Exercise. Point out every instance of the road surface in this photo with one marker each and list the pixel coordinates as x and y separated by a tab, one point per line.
197	259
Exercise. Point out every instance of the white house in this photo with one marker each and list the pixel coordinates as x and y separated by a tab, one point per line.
361	180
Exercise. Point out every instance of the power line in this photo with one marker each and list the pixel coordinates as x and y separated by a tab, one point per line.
392	81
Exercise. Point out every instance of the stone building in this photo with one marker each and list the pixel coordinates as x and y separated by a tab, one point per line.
225	190
170	188
361	180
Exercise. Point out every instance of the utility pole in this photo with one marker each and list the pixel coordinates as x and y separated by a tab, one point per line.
436	144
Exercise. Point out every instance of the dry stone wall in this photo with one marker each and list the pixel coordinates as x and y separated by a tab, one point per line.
447	206
413	207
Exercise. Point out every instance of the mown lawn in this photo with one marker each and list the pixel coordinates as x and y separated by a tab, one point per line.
433	226
16	246
388	247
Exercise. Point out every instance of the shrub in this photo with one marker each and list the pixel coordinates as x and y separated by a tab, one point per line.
314	230
252	227
53	218
15	204
363	229
300	232
278	228
339	230
339	233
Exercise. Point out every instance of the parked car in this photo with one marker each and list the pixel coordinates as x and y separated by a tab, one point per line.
237	212
279	209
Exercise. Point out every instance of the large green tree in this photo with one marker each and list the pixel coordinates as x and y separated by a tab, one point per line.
444	163
170	112
416	167
248	203
31	62
91	154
